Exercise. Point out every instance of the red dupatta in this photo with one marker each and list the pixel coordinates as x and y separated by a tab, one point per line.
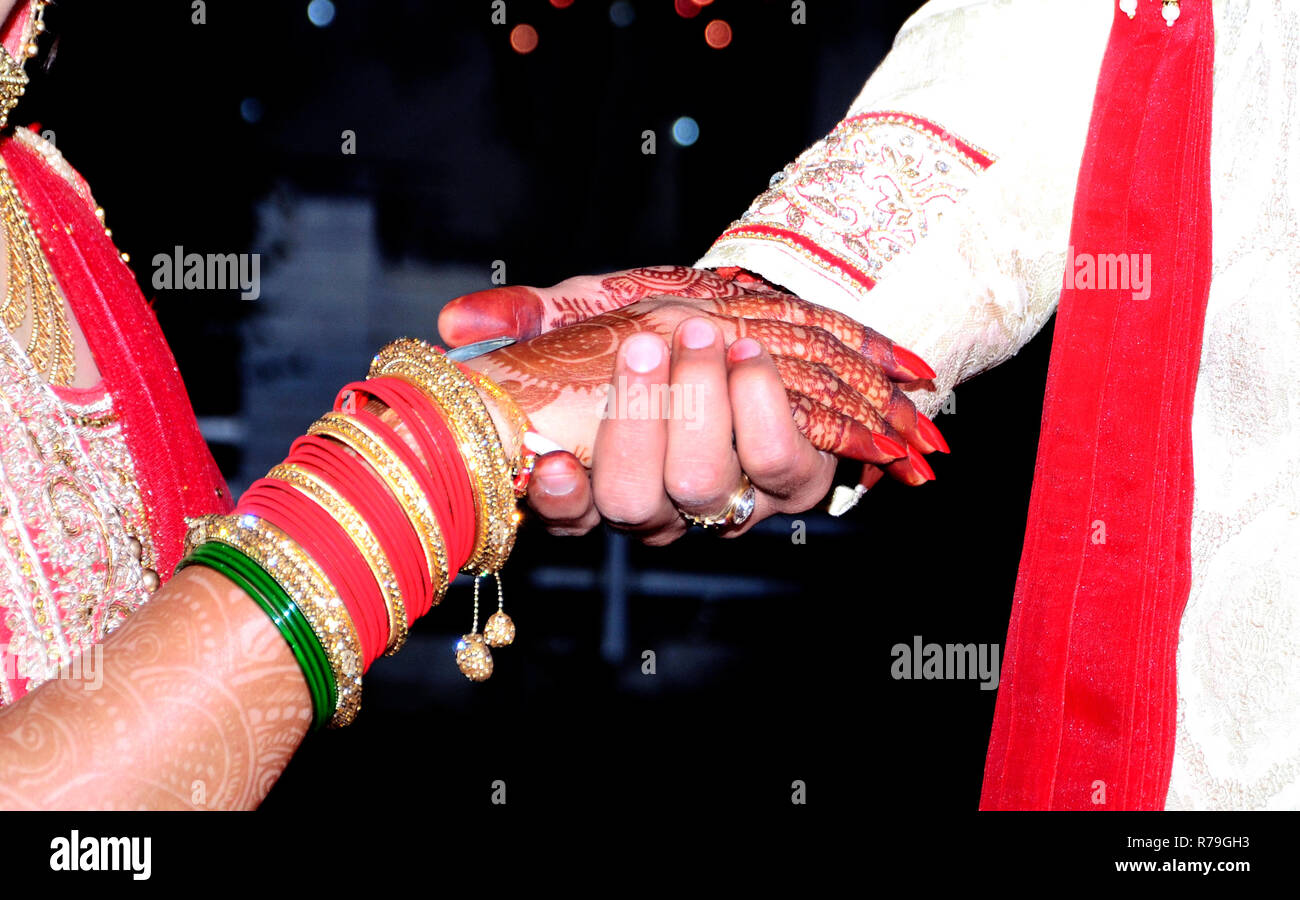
177	475
1086	712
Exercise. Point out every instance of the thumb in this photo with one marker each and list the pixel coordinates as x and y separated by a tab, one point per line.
511	311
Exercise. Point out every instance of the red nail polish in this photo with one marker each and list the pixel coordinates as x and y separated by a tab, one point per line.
512	310
918	462
888	447
930	433
912	363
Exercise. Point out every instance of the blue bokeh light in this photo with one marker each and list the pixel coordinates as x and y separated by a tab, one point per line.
320	12
621	13
686	131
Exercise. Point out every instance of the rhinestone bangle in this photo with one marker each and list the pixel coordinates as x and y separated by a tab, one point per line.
306	585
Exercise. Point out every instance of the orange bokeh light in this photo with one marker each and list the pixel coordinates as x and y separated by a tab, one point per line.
717	34
523	38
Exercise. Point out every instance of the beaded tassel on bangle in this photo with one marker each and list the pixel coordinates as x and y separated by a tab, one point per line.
472	654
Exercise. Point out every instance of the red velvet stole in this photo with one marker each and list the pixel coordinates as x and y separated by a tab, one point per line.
1086	711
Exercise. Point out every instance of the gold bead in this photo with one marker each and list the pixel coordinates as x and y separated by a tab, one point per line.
32	49
126	257
134	547
151	580
499	630
473	657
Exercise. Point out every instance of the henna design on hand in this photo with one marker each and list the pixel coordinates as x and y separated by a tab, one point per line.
667	281
560	376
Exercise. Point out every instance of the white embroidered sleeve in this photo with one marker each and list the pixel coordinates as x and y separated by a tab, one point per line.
938	210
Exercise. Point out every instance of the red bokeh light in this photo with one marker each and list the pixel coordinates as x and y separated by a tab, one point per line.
717	34
523	38
687	9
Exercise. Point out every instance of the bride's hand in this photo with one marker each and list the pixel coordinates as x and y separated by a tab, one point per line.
595	388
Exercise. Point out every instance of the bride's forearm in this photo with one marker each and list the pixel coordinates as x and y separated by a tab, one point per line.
196	703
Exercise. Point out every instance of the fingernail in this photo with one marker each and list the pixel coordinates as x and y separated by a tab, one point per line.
888	447
643	353
913	363
919	463
930	432
743	349
697	334
557	483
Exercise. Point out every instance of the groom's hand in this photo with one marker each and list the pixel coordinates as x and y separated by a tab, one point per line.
649	470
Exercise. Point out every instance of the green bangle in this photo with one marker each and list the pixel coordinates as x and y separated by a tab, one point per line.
287	613
243	584
288	619
263	592
293	616
314	687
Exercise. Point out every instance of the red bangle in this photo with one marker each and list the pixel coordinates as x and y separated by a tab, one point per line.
408	458
363	490
451	495
330	546
270	500
445	458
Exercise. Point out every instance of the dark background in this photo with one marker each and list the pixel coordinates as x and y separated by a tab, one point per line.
773	658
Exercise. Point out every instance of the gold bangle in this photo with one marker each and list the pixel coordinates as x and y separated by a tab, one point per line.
363	538
480	446
400	481
522	459
518	418
296	572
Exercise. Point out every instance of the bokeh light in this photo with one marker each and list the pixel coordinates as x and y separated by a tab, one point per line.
687	9
250	110
320	12
686	131
561	4
523	38
622	13
717	34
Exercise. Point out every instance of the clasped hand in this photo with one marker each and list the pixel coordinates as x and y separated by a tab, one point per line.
666	383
